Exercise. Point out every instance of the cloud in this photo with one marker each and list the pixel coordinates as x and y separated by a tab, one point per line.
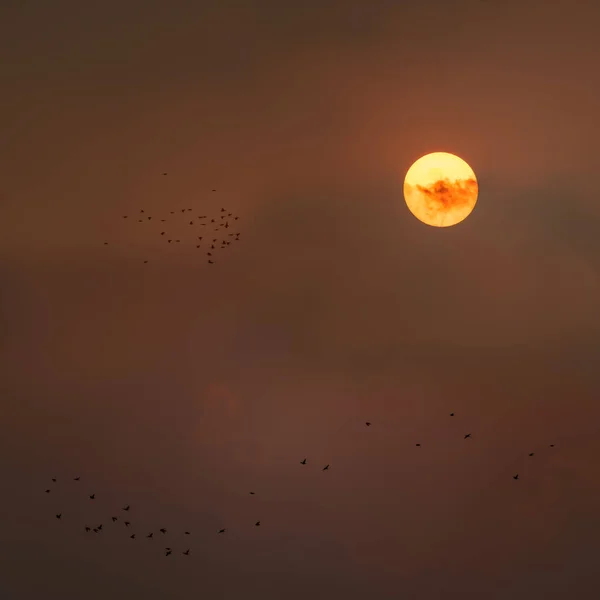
447	195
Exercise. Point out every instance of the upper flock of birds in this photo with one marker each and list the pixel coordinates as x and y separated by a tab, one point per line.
218	231
127	526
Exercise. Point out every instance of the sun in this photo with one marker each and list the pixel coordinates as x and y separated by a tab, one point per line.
440	189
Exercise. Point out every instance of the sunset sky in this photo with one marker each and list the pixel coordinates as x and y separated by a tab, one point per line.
178	387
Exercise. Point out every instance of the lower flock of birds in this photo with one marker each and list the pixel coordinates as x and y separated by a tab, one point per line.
217	230
162	531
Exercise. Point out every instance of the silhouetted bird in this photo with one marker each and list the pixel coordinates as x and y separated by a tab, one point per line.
551	445
210	262
468	435
417	444
252	493
199	237
92	496
516	476
163	232
99	527
47	491
127	523
221	531
191	222
257	524
149	218
222	210
124	216
186	552
326	468
145	261
59	515
132	536
95	530
451	414
236	218
167	553
169	241
531	453
164	173
114	519
126	507
368	424
87	529
186	532
150	536
76	478
163	530
303	462
142	210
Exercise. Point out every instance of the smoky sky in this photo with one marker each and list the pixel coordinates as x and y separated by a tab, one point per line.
179	388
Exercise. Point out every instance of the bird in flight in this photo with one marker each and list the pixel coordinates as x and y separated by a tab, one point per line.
150	536
221	531
451	414
132	536
87	529
467	435
127	523
186	552
163	531
54	480
418	445
252	493
303	462
92	496
516	476
47	491
326	468
126	507
114	519
531	453
59	515
167	552
76	478
257	524
186	532
368	424
99	527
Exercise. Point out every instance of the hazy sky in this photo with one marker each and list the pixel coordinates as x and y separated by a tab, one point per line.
178	386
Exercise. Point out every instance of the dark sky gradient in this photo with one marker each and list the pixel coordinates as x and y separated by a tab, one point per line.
178	386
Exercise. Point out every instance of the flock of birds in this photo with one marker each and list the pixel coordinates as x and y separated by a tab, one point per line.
215	236
168	550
